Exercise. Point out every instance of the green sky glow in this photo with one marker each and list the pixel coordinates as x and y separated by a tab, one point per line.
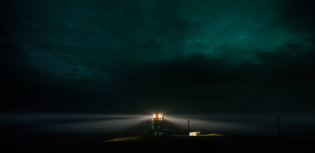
240	56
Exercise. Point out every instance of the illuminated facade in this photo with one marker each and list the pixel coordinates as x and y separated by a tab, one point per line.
157	126
195	133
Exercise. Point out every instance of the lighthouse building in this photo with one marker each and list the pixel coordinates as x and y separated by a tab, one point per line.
157	126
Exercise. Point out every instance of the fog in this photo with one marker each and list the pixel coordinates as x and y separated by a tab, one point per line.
68	128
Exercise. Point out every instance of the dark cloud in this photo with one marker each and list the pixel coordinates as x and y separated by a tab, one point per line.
132	56
221	58
202	81
298	16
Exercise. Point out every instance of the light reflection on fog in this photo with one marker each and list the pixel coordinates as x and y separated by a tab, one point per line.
210	126
103	126
295	125
73	123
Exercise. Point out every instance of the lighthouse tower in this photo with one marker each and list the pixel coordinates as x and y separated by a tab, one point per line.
157	126
157	123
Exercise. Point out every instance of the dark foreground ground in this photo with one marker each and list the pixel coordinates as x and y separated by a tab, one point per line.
179	144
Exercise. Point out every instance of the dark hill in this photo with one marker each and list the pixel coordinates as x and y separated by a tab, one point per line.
183	143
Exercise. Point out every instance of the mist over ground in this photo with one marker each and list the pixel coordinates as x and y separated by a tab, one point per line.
245	60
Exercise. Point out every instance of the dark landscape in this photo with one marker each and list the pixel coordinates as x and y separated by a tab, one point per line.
76	73
181	143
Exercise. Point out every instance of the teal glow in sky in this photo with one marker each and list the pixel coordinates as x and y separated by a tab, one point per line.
238	62
109	56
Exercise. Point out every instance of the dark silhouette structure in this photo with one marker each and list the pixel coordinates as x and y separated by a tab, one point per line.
278	125
188	128
157	127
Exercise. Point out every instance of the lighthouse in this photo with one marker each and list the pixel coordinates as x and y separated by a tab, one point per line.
157	126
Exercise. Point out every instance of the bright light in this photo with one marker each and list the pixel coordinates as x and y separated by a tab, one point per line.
157	115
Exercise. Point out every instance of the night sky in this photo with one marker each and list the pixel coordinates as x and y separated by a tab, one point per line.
251	58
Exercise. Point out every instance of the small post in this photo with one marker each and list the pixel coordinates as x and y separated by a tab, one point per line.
163	121
188	127
278	125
